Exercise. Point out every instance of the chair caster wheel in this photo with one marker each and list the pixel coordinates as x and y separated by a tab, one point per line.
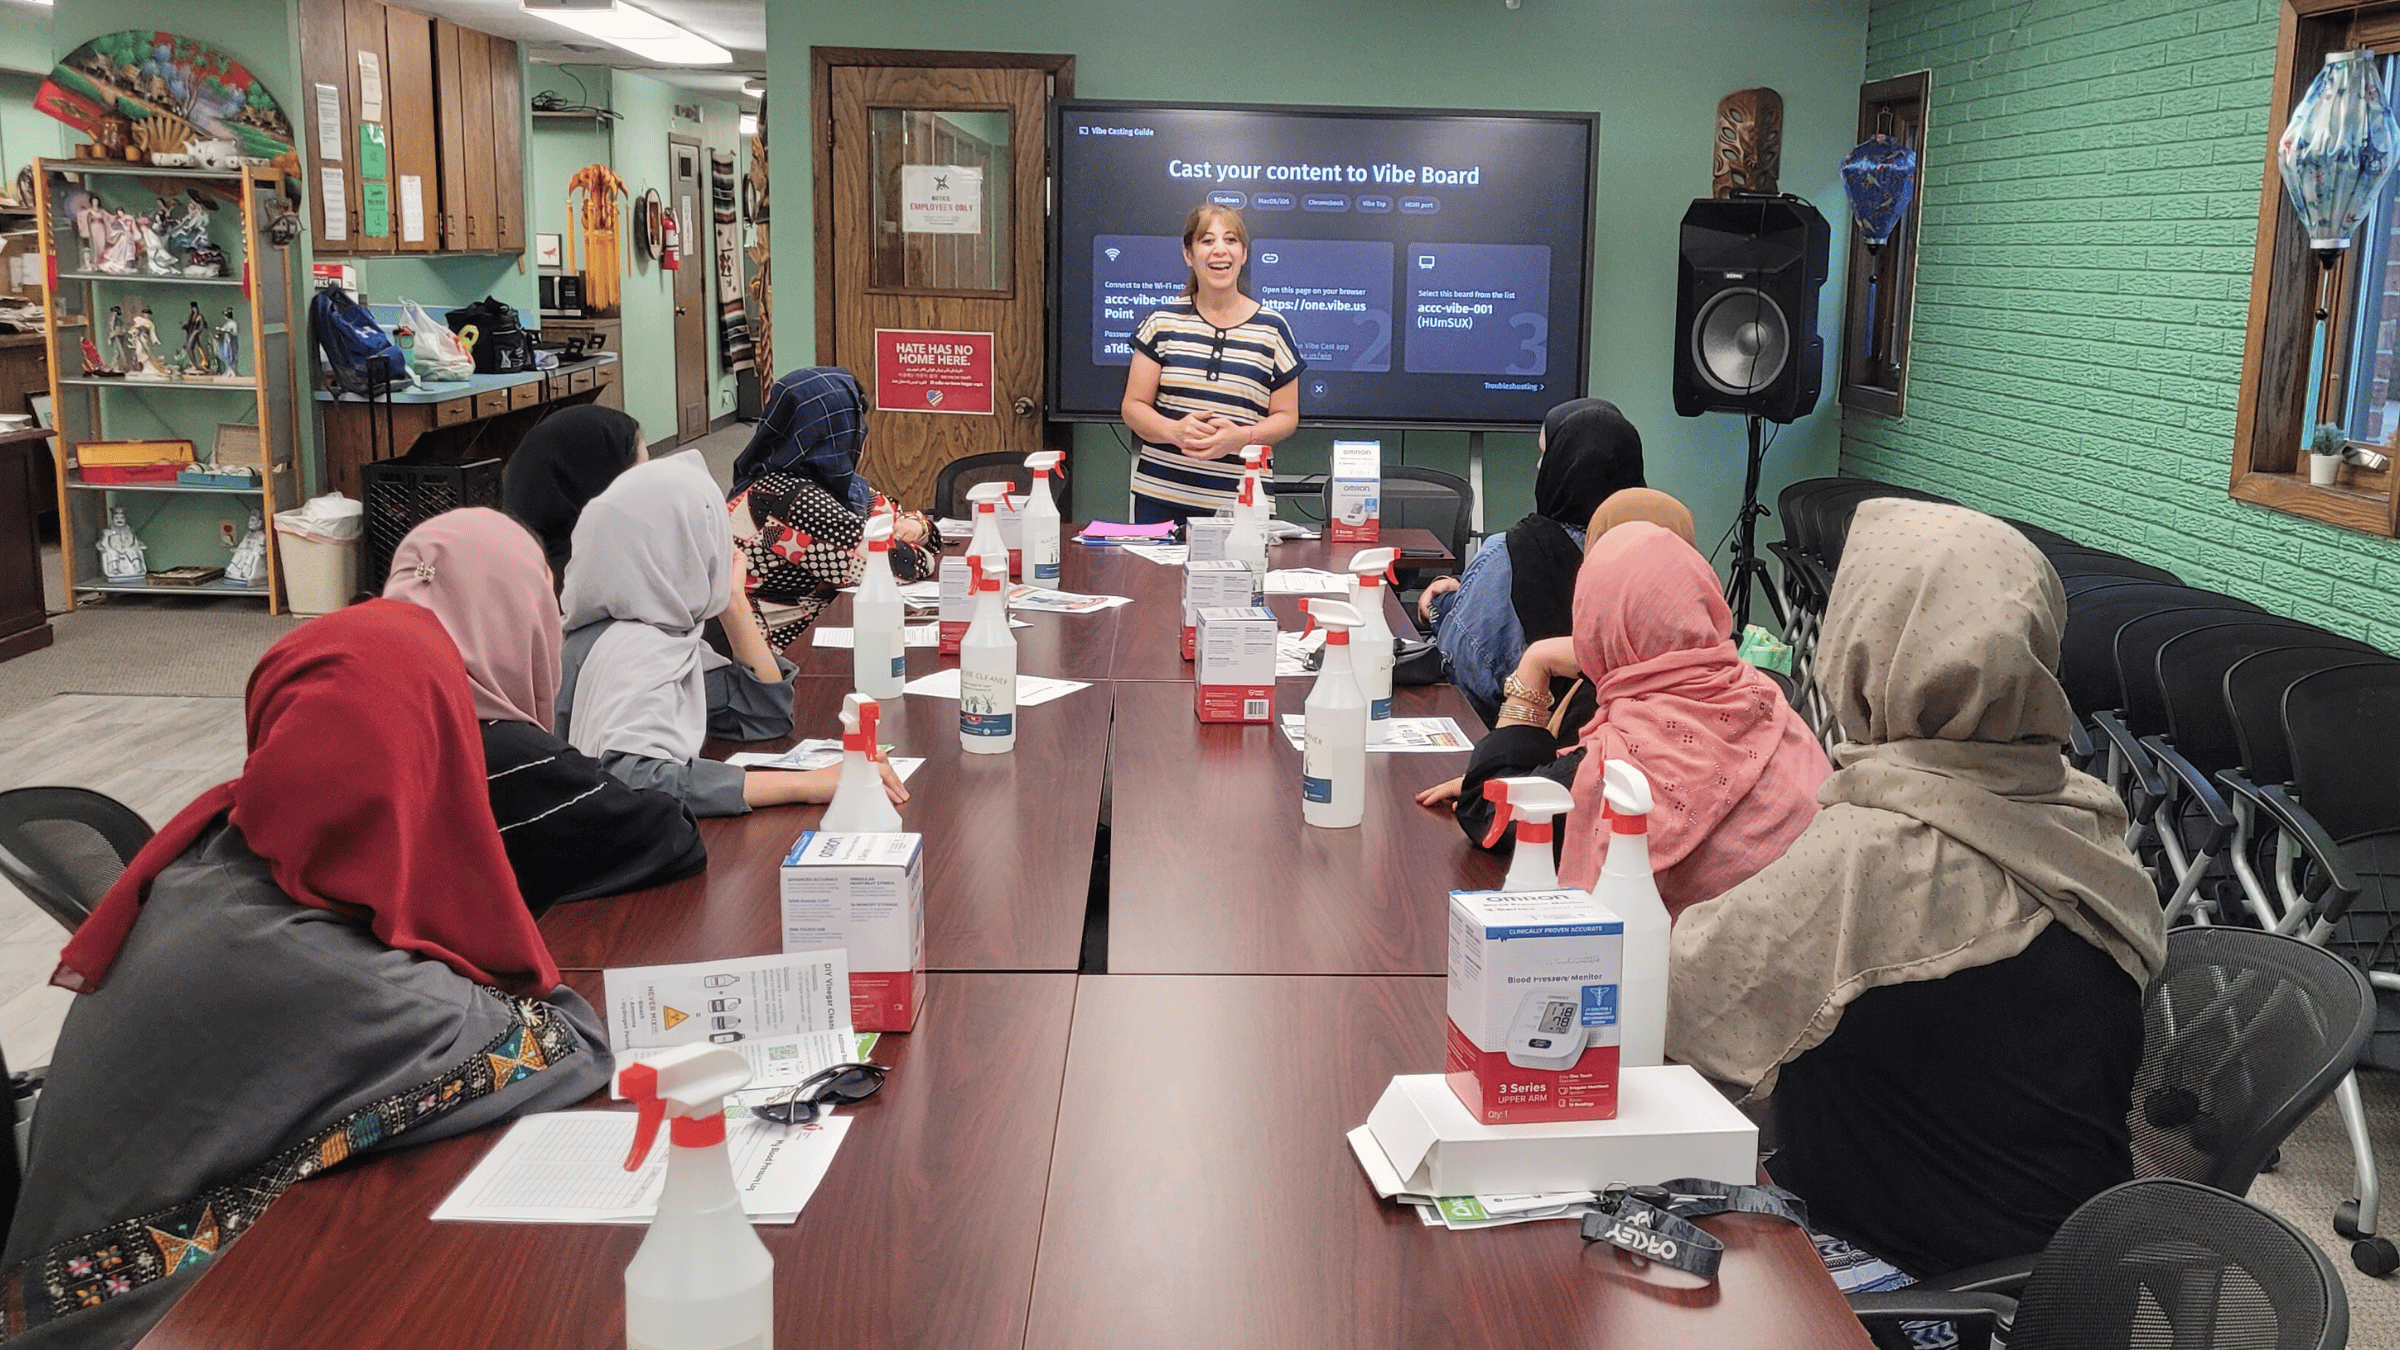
2376	1256
2274	1160
2345	1219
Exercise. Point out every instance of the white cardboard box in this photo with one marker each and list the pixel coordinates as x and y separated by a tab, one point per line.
1670	1123
1012	533
958	602
1233	674
1211	583
1533	991
866	893
1206	536
1353	494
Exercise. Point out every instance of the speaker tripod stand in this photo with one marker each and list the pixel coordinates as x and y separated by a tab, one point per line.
1747	567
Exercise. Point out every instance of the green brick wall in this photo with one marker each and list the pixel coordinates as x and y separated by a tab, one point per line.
2090	207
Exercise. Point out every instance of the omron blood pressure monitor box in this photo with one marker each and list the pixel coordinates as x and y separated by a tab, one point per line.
1353	495
1533	1005
958	602
1233	675
1012	533
864	892
1206	537
1212	584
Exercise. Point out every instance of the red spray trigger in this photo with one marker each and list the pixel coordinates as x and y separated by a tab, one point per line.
868	712
1495	791
1249	482
640	1083
1310	617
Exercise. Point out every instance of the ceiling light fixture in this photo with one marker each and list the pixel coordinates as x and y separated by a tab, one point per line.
621	25
749	124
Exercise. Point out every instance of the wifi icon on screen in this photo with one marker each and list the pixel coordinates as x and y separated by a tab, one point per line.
1112	253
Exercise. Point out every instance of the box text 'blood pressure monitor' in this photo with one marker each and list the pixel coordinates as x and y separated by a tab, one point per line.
1533	1005
1353	497
864	892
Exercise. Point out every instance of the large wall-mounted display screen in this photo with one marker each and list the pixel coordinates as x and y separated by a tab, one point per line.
1434	266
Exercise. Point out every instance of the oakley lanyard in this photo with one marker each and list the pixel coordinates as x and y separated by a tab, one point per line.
1654	1222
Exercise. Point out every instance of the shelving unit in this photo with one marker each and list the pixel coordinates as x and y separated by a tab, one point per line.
98	407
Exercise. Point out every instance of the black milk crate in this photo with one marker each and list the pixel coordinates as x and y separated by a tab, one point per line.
403	493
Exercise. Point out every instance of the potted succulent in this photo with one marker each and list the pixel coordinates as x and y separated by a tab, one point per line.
2325	453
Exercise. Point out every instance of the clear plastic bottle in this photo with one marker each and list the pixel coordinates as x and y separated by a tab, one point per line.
1246	542
860	805
1041	521
987	667
1627	887
1371	652
702	1279
879	651
986	540
1333	757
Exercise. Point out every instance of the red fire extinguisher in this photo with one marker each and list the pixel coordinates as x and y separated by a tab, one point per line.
672	258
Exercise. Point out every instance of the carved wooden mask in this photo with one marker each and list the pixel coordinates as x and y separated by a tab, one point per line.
1749	142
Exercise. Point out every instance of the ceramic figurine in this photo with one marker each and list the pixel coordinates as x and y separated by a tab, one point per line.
120	242
249	556
91	227
122	358
144	347
205	260
196	354
92	364
229	348
158	259
123	556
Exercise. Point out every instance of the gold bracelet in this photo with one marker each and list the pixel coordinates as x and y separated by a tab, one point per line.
1515	690
1515	711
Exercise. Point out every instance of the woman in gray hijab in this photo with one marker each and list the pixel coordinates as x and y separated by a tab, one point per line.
639	689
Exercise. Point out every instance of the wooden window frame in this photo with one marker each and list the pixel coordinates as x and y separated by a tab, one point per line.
1906	101
2268	467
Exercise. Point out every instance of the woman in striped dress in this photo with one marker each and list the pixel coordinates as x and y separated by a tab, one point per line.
1211	374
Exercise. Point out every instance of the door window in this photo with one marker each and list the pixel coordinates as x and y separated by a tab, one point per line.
942	198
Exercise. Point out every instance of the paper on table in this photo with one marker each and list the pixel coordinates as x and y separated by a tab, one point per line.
1165	555
1047	601
653	1007
569	1167
917	635
1307	581
1407	735
1031	689
776	1062
814	754
1296	652
926	592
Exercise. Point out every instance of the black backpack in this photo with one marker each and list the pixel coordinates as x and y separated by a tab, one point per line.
501	346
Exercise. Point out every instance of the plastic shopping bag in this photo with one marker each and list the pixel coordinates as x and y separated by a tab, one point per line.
439	354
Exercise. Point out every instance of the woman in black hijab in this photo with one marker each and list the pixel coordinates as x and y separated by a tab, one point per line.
564	462
1520	588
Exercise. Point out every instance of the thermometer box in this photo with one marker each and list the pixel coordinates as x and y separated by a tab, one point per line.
1212	584
958	603
865	893
1011	516
1206	536
1233	676
1353	495
1533	1005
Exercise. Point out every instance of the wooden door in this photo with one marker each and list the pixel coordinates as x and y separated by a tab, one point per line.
324	60
475	100
370	93
687	195
408	110
968	139
508	148
450	131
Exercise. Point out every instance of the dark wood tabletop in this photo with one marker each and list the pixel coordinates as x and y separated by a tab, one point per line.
1008	847
1227	880
1149	636
1202	1195
922	1235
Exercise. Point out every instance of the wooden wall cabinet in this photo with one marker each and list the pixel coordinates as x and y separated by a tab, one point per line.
451	105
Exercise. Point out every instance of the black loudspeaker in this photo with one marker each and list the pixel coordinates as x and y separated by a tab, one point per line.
1746	283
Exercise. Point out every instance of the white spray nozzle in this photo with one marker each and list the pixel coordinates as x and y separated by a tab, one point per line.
1253	456
1043	461
878	531
1370	563
859	715
1531	801
987	496
1334	614
1625	790
689	1083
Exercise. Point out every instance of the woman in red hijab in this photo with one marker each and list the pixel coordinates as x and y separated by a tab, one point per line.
325	956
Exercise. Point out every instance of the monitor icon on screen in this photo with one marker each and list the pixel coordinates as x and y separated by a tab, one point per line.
1270	257
1424	262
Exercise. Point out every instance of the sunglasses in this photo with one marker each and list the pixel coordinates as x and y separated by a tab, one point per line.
840	1085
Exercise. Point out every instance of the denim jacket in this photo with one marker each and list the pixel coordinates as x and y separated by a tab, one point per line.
1477	626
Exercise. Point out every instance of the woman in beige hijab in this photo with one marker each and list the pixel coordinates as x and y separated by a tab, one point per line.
1940	983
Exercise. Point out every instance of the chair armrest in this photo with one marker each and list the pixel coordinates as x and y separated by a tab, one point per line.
1977	1316
2079	743
2146	776
2220	816
2333	870
2005	1276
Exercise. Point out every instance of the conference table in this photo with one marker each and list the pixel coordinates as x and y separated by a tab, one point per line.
1135	1145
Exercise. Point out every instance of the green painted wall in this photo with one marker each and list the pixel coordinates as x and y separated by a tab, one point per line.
1652	69
2090	210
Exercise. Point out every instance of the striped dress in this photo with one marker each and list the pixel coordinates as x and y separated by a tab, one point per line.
1206	369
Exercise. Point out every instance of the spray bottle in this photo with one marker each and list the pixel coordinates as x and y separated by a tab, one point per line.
702	1279
1333	757
1533	803
860	805
1369	569
1628	889
1041	521
1257	462
879	653
1246	542
987	666
986	540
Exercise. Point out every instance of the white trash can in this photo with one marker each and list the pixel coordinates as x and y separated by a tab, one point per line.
317	546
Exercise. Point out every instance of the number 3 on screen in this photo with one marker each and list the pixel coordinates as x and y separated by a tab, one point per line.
1536	345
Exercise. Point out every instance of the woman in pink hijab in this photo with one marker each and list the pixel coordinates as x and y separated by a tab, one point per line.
1733	769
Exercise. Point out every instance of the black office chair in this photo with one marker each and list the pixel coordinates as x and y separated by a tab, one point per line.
1836	511
2042	538
1439	503
2087	670
2076	560
2160	1262
956	477
65	846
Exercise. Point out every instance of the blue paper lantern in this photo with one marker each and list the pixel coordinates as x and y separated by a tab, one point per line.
2337	150
1880	178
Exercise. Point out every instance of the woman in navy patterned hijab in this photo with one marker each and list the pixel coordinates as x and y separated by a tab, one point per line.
815	420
